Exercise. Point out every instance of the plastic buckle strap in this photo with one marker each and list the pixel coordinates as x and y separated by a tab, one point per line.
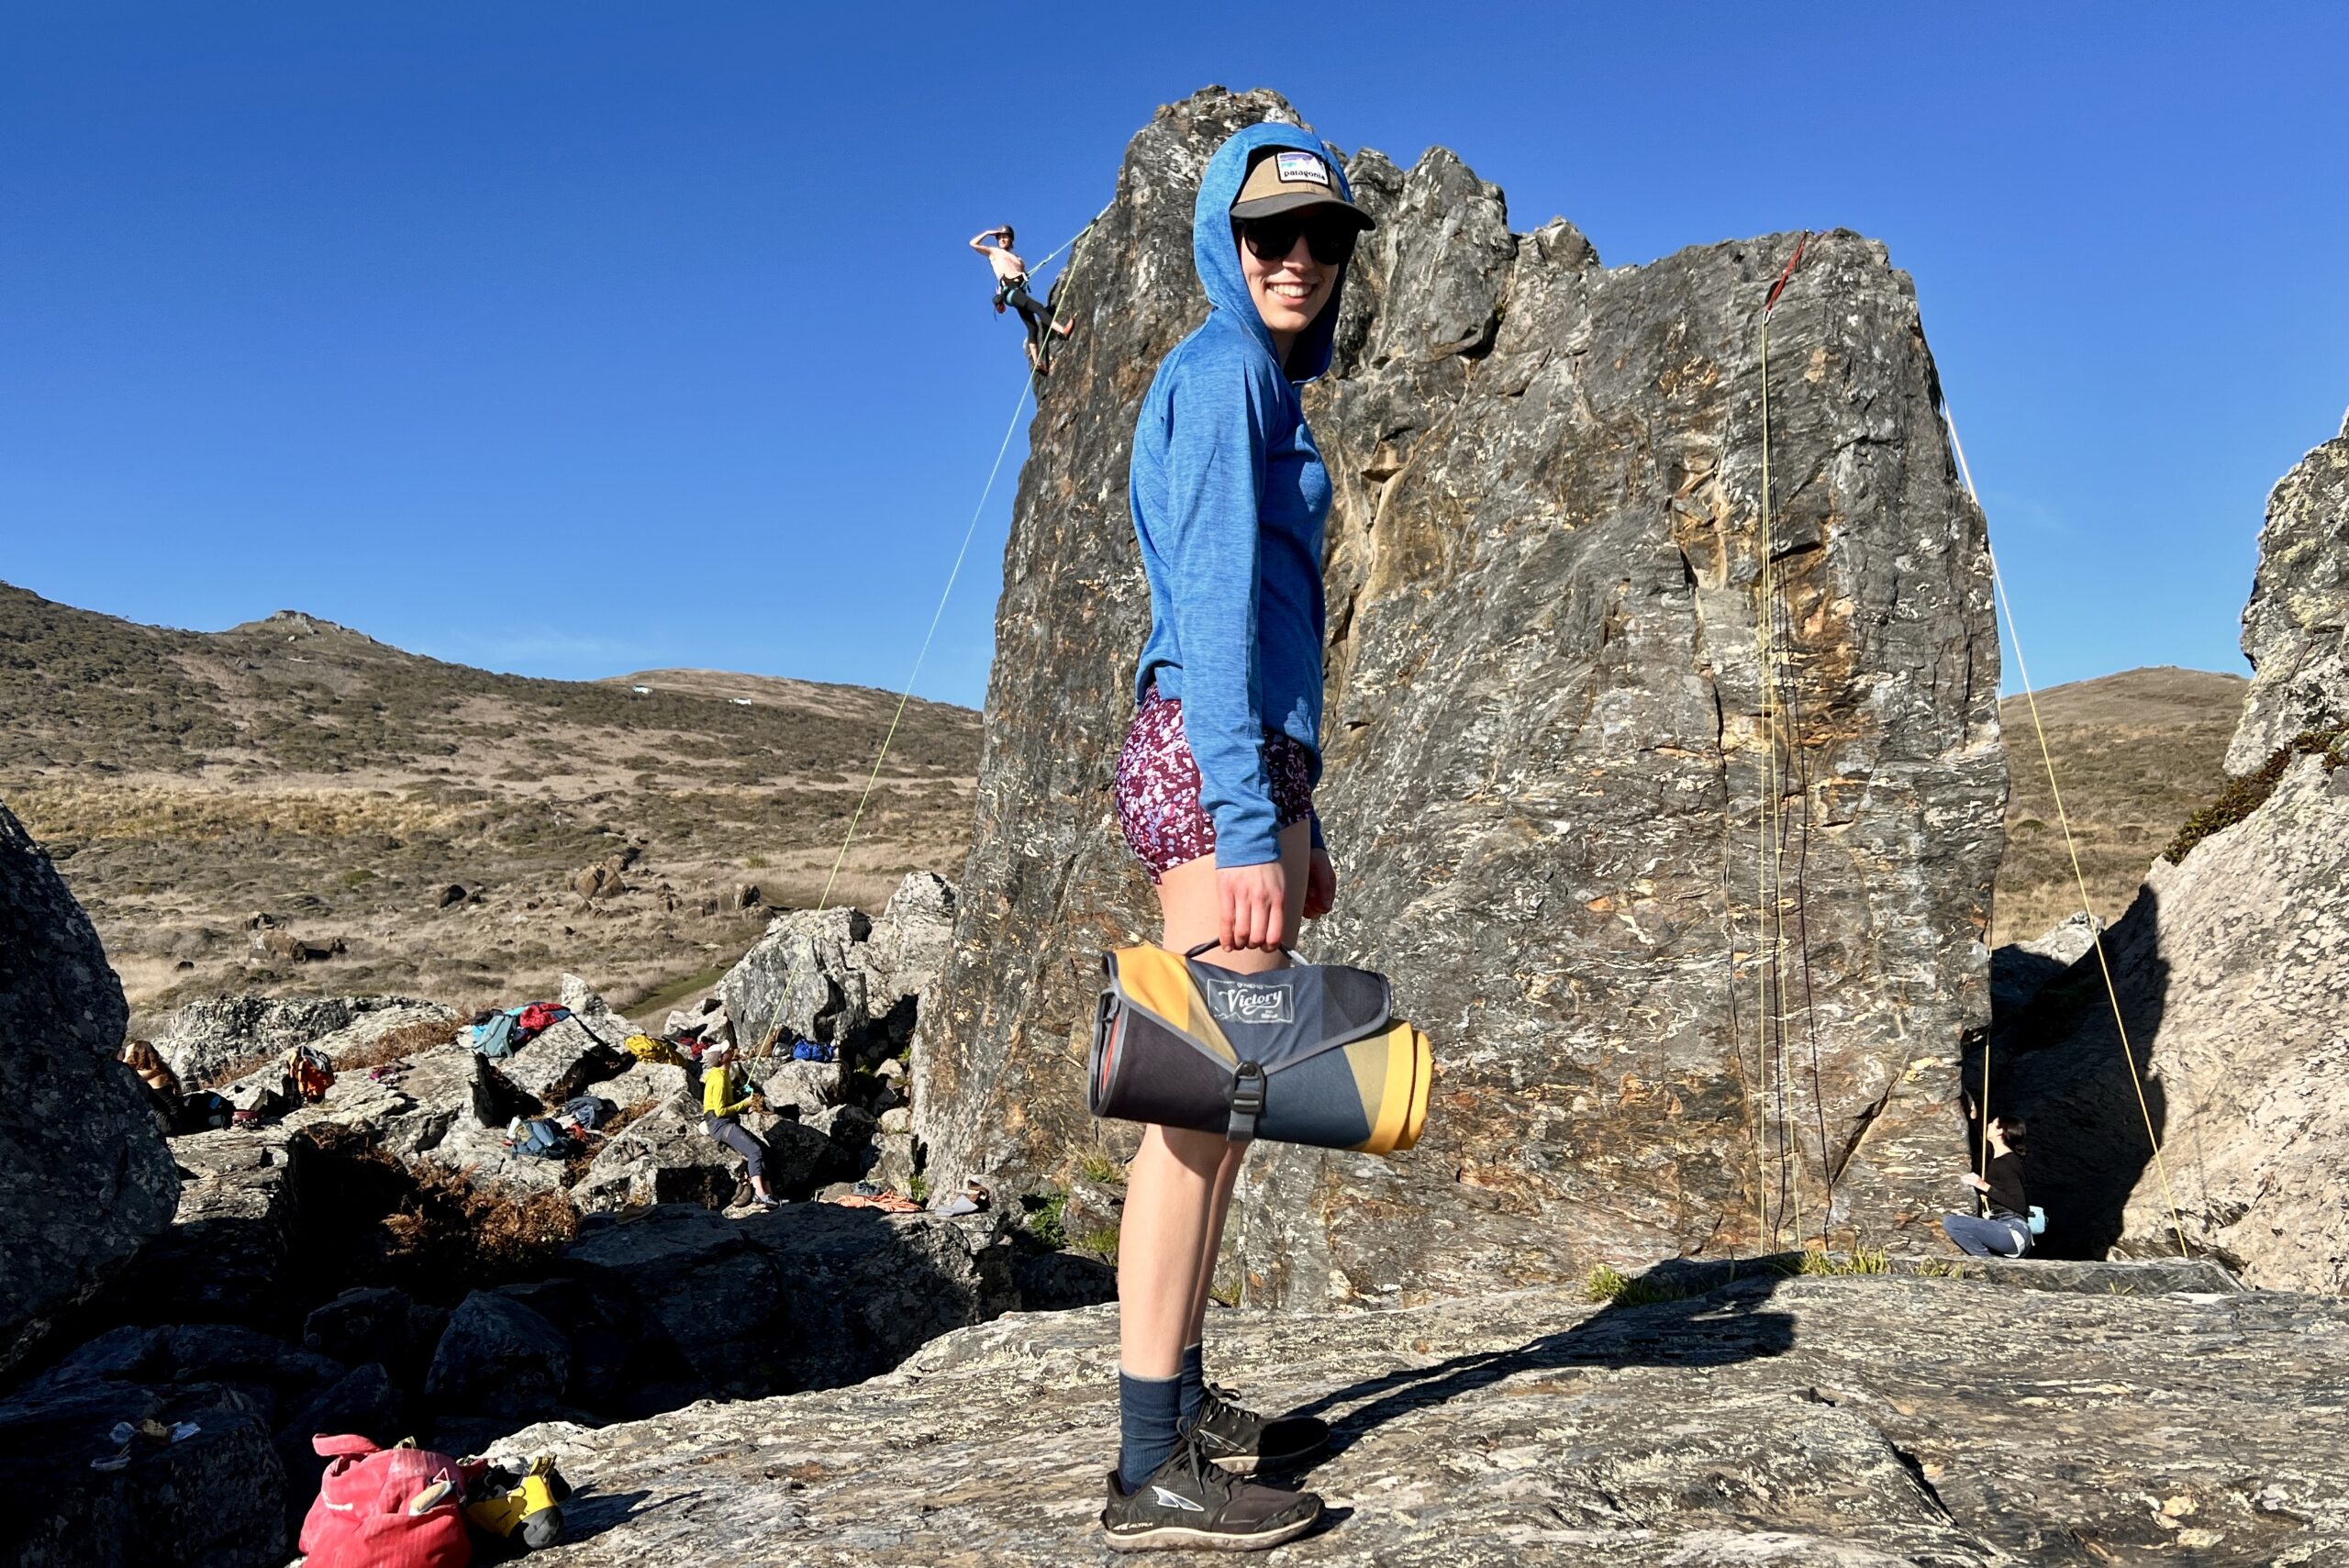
1247	1102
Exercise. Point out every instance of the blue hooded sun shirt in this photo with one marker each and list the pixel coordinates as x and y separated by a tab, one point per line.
1229	499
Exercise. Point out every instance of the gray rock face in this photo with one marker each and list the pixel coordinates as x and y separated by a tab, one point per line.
665	1156
2295	628
835	976
207	1037
498	1354
225	1258
1545	742
378	1324
2020	970
2233	975
1830	1423
563	1060
85	1176
799	978
916	931
216	1499
810	1296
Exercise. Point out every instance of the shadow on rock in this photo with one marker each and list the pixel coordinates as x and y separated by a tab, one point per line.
1717	1328
2057	1061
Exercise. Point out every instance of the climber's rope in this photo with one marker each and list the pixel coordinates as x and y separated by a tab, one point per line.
2079	879
970	530
1770	977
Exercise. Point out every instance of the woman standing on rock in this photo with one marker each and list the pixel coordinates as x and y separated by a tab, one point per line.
1214	784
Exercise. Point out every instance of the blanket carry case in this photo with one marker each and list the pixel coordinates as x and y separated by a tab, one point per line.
1309	1054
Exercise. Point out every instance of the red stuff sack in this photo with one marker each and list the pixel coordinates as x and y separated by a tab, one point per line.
362	1516
540	1015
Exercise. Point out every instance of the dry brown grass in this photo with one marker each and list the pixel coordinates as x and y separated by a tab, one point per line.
2136	754
185	781
398	1044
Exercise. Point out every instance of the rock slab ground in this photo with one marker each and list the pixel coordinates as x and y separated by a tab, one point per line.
1854	1423
1547	739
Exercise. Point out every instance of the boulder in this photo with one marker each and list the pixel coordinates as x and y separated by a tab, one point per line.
228	1253
663	1156
85	1179
377	1323
482	1156
580	997
652	1082
205	1039
361	1035
565	1058
1548	741
1772	1423
805	978
415	1105
498	1355
810	1296
215	1496
447	895
808	1085
2296	627
2019	971
914	933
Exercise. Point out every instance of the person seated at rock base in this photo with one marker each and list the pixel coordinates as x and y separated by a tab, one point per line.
2004	1230
155	1074
726	1093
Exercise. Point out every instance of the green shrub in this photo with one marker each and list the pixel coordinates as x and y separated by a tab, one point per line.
2248	793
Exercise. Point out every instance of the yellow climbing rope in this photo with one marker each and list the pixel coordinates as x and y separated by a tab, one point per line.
1780	715
2079	879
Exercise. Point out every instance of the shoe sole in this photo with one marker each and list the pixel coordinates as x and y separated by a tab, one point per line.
1161	1537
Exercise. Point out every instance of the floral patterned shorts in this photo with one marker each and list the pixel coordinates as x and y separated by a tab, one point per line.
1158	786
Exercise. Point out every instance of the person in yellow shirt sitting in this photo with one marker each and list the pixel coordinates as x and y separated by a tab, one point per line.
726	1093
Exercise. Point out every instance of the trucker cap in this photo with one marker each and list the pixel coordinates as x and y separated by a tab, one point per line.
1287	178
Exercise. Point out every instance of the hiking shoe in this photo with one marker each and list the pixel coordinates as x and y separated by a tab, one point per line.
1189	1502
1239	1440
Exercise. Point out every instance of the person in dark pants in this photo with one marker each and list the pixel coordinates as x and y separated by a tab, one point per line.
725	1095
1011	289
2004	1230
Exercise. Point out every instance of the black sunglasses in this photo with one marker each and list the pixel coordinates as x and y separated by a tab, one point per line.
1329	237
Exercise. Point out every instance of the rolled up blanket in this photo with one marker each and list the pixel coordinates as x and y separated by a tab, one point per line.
1308	1054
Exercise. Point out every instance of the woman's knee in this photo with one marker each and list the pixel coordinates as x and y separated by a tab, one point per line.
1202	1154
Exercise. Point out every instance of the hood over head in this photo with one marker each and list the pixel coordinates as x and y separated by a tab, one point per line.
1216	253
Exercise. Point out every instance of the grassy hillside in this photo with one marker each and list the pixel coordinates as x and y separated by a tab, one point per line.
186	781
2135	753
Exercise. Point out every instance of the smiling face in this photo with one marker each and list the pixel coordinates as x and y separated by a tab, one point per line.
1289	291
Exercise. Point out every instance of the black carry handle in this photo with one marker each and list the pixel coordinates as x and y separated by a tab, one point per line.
1210	947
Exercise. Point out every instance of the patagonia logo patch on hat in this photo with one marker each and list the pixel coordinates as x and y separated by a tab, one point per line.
1300	167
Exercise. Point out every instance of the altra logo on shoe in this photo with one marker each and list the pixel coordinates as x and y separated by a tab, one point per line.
1251	1002
1176	1500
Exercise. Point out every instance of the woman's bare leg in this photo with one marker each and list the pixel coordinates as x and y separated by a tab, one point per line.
1179	1187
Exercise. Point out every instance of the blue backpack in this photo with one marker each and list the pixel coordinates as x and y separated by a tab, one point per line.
541	1136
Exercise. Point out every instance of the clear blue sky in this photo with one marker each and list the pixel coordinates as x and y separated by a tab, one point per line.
573	339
